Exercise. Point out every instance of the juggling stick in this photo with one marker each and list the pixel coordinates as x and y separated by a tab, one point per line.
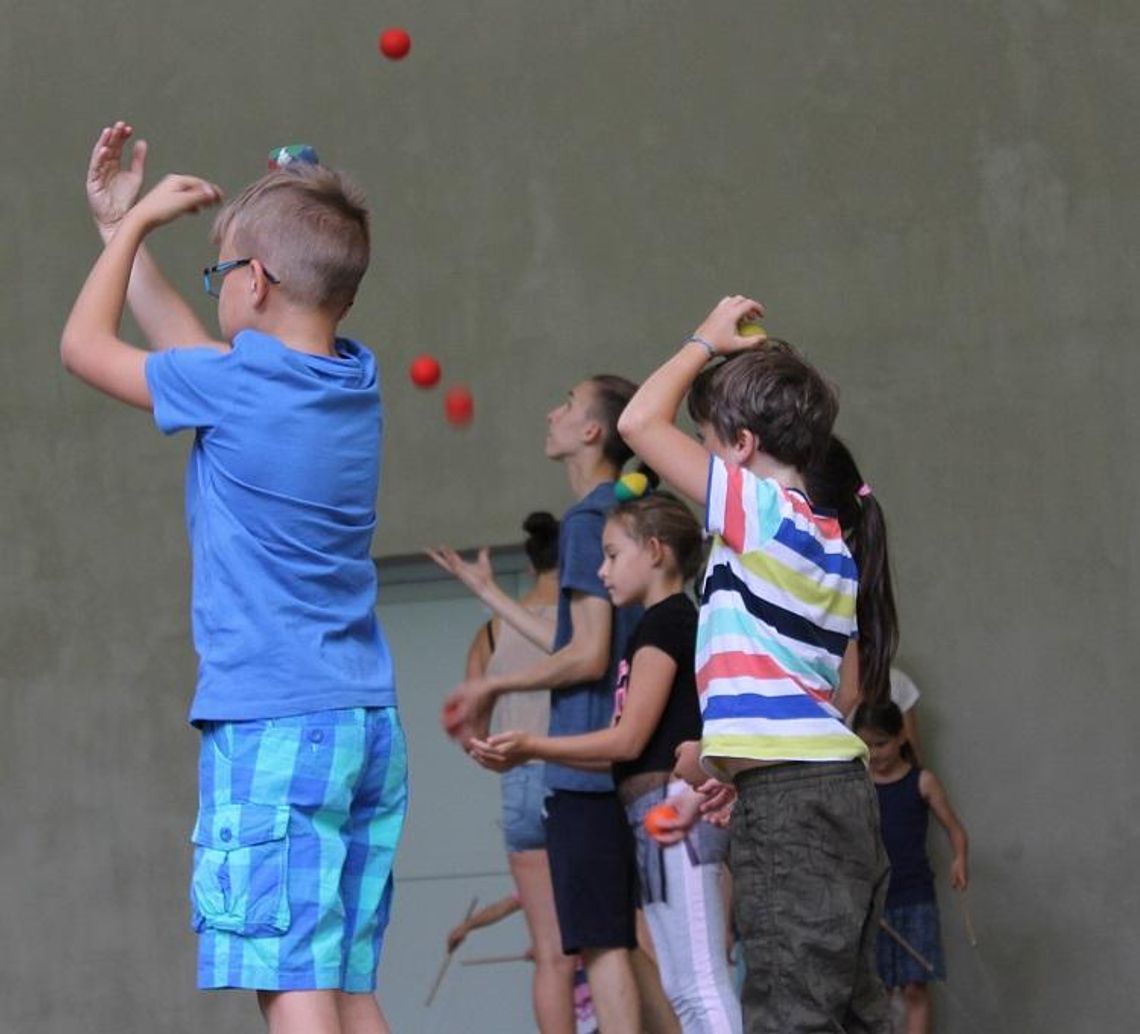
447	957
906	946
488	960
968	919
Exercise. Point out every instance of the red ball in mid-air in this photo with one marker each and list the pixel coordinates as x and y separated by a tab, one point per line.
451	718
395	43
655	815
425	371
458	405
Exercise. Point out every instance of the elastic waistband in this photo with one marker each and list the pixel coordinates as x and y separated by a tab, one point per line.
638	785
800	771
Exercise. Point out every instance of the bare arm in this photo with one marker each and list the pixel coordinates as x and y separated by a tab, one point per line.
935	796
647	424
849	693
478	653
162	314
165	318
493	913
910	727
650	681
90	346
583	659
480	579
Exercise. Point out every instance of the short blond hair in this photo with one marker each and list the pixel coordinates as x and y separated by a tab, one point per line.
308	225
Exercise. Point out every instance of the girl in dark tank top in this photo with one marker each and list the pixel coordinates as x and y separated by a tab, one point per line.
907	795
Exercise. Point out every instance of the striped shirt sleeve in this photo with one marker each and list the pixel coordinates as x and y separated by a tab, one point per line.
741	508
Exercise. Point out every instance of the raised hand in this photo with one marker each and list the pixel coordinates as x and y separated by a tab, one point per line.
720	327
477	575
112	189
175	195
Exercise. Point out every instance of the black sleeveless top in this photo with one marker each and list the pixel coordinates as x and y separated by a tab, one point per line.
671	626
904	817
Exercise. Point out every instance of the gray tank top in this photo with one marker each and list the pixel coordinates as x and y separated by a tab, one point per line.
513	652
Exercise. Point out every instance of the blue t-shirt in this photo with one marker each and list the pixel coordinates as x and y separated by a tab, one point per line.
280	505
589	705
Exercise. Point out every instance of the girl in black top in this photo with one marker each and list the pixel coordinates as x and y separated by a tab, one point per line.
652	546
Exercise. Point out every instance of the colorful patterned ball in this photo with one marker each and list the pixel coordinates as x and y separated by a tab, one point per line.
290	154
631	486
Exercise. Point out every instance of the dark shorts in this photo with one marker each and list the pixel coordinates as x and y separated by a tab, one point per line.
593	869
809	877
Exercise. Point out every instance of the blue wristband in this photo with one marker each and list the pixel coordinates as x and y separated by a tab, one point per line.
698	340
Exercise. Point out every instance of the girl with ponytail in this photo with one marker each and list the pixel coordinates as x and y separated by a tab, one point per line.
835	482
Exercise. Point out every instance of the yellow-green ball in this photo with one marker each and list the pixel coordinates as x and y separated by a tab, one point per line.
631	486
749	327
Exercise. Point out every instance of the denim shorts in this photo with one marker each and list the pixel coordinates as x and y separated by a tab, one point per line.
523	791
298	822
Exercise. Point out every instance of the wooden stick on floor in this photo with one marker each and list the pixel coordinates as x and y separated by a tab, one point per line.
906	946
447	956
488	960
968	919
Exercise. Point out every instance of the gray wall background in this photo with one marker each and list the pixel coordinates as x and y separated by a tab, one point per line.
937	201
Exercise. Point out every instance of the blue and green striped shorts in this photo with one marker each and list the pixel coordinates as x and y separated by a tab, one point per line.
298	822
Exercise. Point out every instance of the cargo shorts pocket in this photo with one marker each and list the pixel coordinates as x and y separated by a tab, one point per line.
239	883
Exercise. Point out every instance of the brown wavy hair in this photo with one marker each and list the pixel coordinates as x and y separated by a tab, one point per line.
773	392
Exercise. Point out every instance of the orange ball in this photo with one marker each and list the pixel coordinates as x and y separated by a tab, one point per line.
395	43
656	815
458	405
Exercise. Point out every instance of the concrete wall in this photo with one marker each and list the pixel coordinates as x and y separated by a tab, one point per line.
938	202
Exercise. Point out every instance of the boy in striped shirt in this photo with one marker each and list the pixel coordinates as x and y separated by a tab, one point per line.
777	667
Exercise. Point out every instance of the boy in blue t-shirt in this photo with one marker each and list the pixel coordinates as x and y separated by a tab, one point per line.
302	777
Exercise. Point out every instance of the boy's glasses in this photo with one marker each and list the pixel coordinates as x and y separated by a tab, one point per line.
212	276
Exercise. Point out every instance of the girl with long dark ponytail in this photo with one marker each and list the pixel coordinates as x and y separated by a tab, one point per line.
835	482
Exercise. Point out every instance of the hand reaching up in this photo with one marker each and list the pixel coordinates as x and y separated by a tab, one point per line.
175	195
721	327
112	189
477	575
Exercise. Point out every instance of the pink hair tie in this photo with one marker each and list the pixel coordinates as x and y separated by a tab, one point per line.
864	490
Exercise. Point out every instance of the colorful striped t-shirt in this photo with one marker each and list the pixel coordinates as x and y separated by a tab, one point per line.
777	614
